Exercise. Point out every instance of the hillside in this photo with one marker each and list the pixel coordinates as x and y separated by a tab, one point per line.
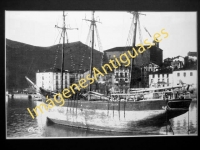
25	60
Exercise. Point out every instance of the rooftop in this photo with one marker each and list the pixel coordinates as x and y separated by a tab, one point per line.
162	71
192	54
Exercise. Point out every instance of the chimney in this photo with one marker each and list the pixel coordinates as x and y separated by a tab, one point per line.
156	43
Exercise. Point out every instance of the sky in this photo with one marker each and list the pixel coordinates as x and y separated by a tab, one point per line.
38	28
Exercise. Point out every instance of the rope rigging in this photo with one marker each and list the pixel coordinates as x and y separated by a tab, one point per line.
56	56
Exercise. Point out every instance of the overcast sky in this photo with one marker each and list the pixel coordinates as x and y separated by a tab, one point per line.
38	28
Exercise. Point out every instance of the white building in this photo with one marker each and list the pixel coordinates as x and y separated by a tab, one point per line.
122	74
51	80
160	79
186	76
151	67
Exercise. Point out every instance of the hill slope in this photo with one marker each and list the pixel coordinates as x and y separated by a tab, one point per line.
25	60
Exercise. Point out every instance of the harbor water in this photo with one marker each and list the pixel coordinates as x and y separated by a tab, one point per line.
21	125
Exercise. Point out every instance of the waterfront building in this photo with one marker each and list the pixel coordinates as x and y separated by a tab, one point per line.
51	79
161	78
188	76
145	70
151	59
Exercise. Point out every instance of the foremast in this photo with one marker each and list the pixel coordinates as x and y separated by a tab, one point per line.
64	31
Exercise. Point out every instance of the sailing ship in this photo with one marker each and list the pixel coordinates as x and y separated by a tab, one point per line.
119	112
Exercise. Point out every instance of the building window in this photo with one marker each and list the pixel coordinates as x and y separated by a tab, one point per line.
126	79
184	74
65	82
151	80
153	75
178	74
42	77
121	74
158	75
191	74
163	75
167	75
125	74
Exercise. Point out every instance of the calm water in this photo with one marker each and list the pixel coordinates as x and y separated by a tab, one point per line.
19	121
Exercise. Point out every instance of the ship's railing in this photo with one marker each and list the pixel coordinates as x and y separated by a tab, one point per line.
138	96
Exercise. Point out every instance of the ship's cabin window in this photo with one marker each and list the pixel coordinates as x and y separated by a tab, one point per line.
191	74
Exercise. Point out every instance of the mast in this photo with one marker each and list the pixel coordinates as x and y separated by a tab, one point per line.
64	30
63	47
135	17
91	57
92	25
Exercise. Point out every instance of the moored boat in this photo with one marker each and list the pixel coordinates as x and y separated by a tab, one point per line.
120	112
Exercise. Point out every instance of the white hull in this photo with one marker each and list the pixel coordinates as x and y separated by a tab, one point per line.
107	120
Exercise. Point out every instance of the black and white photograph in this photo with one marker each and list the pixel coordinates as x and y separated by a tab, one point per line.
92	73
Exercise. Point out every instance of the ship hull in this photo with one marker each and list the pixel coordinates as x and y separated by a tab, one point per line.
116	116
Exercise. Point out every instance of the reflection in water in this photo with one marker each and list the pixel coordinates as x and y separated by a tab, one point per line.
19	121
180	123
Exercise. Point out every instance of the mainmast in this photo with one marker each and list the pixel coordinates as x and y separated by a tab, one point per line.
92	25
91	57
135	16
135	20
63	47
64	30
